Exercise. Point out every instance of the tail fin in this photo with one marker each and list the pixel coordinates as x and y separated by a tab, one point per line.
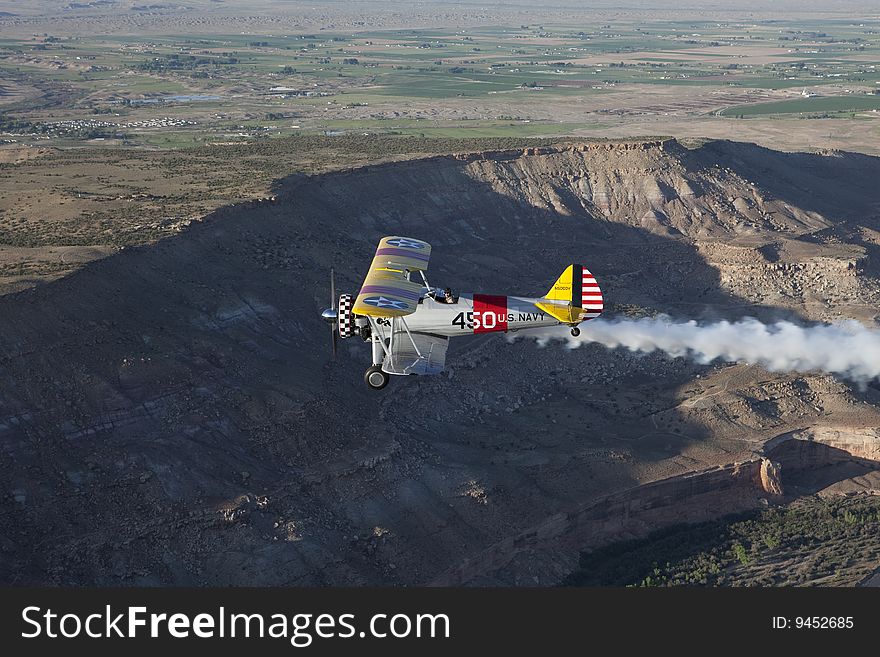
574	297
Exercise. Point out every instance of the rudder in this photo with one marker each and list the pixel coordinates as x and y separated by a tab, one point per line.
574	297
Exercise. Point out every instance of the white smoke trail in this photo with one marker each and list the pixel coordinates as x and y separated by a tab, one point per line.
847	349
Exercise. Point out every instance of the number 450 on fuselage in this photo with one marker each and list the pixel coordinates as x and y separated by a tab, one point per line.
409	323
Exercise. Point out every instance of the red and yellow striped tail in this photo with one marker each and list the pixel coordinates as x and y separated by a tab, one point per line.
574	297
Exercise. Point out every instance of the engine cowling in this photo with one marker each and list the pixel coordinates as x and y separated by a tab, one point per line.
345	318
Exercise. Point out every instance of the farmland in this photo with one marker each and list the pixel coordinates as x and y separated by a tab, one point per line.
813	106
523	80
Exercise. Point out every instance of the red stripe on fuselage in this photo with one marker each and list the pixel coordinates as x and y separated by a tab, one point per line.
490	313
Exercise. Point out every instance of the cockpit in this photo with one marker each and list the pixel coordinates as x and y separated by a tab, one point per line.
445	295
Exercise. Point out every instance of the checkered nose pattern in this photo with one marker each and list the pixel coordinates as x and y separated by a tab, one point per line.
345	316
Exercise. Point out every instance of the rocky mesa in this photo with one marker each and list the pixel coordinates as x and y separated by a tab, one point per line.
170	415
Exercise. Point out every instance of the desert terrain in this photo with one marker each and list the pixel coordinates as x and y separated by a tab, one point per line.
175	192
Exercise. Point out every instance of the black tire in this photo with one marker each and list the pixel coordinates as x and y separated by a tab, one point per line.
375	378
575	331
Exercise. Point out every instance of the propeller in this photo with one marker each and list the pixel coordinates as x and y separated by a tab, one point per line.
331	315
334	332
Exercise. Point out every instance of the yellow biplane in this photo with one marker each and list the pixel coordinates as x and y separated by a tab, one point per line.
409	323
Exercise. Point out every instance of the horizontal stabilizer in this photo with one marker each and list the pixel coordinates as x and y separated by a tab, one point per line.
564	312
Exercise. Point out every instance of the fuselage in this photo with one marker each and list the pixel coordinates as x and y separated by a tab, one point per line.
478	313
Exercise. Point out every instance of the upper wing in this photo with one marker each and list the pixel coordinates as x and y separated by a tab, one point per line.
423	354
386	292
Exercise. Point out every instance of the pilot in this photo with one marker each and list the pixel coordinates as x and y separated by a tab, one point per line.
447	296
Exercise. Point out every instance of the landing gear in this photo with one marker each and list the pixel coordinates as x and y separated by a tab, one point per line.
575	331
376	378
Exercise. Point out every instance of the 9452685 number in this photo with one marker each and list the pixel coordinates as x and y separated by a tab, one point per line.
814	623
824	622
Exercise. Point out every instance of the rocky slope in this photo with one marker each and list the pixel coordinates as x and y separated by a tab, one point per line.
169	414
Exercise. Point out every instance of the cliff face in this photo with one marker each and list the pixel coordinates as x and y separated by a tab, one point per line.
855	442
658	186
544	554
170	415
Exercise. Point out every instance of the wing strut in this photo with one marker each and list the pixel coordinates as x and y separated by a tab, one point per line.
379	336
406	328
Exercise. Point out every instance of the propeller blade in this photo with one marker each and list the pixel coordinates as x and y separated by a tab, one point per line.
334	327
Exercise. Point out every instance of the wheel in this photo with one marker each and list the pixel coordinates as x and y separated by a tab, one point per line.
575	331
376	378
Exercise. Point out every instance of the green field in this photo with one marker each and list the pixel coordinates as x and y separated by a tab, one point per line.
814	105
